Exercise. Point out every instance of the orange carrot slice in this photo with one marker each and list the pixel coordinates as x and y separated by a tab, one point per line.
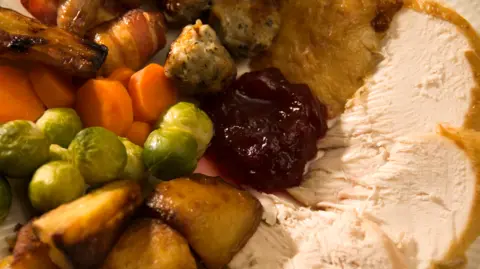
105	103
122	74
51	87
151	92
139	132
18	100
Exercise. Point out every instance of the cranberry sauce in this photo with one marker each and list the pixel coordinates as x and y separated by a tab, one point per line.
266	129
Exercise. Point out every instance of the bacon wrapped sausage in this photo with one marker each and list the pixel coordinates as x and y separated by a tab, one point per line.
131	39
46	11
77	16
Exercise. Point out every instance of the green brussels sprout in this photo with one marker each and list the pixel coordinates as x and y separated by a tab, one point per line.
60	125
23	148
189	118
54	184
134	169
170	153
98	154
58	153
5	198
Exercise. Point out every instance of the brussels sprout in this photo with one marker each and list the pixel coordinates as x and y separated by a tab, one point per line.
5	198
188	117
170	153
60	125
23	148
134	169
58	153
98	154
54	184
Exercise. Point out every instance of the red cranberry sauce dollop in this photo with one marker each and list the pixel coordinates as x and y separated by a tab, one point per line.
266	129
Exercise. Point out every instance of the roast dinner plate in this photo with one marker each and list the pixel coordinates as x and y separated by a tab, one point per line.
19	213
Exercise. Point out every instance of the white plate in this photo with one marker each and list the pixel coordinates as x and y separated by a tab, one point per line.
19	214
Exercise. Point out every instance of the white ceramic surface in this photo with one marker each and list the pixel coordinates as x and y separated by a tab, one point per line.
470	9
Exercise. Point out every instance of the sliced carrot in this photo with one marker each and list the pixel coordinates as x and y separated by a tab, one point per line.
139	132
105	103
52	87
18	100
152	93
122	74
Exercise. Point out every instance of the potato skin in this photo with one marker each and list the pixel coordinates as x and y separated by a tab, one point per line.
150	244
81	234
29	252
216	218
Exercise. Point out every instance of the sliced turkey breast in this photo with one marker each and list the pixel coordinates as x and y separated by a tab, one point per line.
417	86
302	238
424	79
329	177
395	102
383	159
426	196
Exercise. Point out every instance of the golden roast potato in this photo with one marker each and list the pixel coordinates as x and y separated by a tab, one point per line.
29	252
150	244
81	234
216	218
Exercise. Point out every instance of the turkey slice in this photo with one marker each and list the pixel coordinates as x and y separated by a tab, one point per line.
417	86
425	78
420	189
425	196
302	238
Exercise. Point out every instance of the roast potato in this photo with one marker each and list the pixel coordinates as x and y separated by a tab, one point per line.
150	244
29	252
81	234
216	218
